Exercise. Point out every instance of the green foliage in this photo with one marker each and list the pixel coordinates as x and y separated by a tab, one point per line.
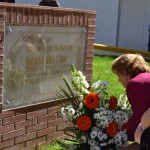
52	146
102	71
56	145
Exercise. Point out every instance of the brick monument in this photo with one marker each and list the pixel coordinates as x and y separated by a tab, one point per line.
37	45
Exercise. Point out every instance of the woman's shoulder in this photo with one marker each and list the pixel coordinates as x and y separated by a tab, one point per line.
140	82
141	78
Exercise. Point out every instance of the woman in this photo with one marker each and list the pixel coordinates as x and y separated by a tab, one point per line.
133	73
142	133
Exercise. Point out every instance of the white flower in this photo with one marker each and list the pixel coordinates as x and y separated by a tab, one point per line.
110	116
69	107
111	141
123	135
117	137
101	136
117	117
101	116
98	125
105	84
93	134
95	129
62	110
105	136
71	112
97	116
118	143
104	121
79	82
100	93
80	106
100	84
103	144
124	118
96	148
92	142
96	85
63	114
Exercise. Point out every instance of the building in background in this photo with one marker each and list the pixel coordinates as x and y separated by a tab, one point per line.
122	23
133	24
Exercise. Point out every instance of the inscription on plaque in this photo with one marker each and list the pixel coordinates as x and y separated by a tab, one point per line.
35	58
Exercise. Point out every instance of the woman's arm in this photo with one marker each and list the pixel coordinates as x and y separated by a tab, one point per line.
145	120
138	133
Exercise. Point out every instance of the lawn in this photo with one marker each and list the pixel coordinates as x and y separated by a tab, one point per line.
101	71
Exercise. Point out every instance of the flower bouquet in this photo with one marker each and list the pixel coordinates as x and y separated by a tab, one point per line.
99	119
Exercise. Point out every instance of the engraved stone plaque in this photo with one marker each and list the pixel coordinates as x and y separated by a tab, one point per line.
35	57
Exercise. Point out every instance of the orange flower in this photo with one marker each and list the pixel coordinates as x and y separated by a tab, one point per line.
112	129
92	100
113	102
84	123
124	126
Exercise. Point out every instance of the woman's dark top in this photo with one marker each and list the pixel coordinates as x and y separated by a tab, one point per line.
138	93
145	139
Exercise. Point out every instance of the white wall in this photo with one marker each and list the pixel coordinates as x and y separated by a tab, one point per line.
132	31
107	15
145	26
106	21
33	2
134	20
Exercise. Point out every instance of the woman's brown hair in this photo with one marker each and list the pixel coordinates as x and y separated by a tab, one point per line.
130	64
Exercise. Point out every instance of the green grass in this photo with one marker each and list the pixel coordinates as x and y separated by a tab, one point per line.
101	71
53	146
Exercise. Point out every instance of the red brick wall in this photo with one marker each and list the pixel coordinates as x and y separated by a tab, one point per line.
27	127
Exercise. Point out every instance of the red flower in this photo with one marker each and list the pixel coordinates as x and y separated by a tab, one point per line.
84	123
113	102
124	126
112	129
92	100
